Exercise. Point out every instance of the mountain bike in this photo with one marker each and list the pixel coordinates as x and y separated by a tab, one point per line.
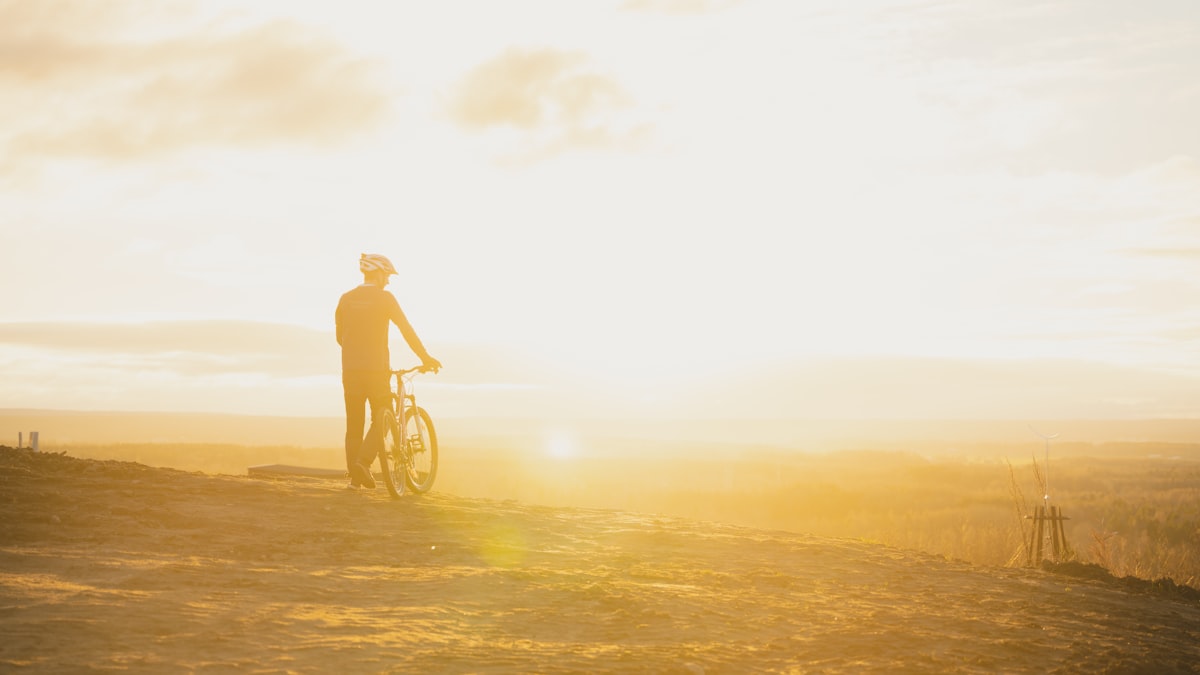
409	457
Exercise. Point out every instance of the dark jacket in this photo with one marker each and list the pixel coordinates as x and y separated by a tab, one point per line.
362	318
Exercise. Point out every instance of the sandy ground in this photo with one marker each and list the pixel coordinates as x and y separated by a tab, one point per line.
111	566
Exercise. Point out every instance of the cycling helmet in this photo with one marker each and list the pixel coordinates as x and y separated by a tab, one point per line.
373	262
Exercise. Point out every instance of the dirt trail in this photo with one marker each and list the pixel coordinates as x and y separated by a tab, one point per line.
118	566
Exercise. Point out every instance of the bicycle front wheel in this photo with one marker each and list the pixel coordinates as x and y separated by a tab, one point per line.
389	461
420	448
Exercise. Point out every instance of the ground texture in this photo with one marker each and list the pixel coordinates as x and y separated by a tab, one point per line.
115	566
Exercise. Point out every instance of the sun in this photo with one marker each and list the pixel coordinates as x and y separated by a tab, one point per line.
560	444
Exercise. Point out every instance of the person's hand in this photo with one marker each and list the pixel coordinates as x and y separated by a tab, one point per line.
430	364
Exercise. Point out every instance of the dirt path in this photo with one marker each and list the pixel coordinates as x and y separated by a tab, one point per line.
118	566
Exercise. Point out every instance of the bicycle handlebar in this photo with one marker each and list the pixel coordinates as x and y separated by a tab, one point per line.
415	369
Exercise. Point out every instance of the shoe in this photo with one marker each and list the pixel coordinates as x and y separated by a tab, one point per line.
361	473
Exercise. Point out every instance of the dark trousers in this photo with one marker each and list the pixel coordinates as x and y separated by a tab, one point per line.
362	387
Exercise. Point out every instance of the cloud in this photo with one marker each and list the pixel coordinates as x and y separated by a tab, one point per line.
1167	192
1184	253
215	347
678	6
549	97
945	388
531	89
1035	86
183	347
129	80
249	367
263	368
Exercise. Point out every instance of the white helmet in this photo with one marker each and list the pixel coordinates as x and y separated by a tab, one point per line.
373	262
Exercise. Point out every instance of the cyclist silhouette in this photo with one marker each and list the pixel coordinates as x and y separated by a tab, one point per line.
362	319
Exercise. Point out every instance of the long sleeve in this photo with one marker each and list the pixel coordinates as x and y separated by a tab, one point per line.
406	330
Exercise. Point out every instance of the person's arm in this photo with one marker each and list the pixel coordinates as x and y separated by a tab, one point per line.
410	336
337	321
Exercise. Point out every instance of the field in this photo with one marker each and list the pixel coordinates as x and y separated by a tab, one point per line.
1134	508
117	566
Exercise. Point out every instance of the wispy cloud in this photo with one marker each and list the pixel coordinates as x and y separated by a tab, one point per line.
234	366
1183	253
1037	80
245	366
678	6
111	81
184	347
549	96
933	388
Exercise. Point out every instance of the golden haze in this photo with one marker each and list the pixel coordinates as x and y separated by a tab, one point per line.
965	495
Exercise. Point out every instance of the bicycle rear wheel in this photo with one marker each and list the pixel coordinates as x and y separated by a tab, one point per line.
420	446
389	460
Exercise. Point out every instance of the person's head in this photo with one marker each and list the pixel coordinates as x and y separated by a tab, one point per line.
376	269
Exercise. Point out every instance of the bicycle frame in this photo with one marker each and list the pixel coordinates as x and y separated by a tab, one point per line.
412	452
404	394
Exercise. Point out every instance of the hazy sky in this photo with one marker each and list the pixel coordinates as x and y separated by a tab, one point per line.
877	208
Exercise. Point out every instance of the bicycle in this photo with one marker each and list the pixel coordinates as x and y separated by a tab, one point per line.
409	457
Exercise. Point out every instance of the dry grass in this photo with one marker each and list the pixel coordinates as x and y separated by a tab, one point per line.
1135	509
116	566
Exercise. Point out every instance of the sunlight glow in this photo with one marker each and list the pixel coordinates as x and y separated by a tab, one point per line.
635	198
560	444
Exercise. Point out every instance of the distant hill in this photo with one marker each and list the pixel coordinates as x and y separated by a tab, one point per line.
62	427
65	427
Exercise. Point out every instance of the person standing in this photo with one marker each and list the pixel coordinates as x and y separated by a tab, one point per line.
362	321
